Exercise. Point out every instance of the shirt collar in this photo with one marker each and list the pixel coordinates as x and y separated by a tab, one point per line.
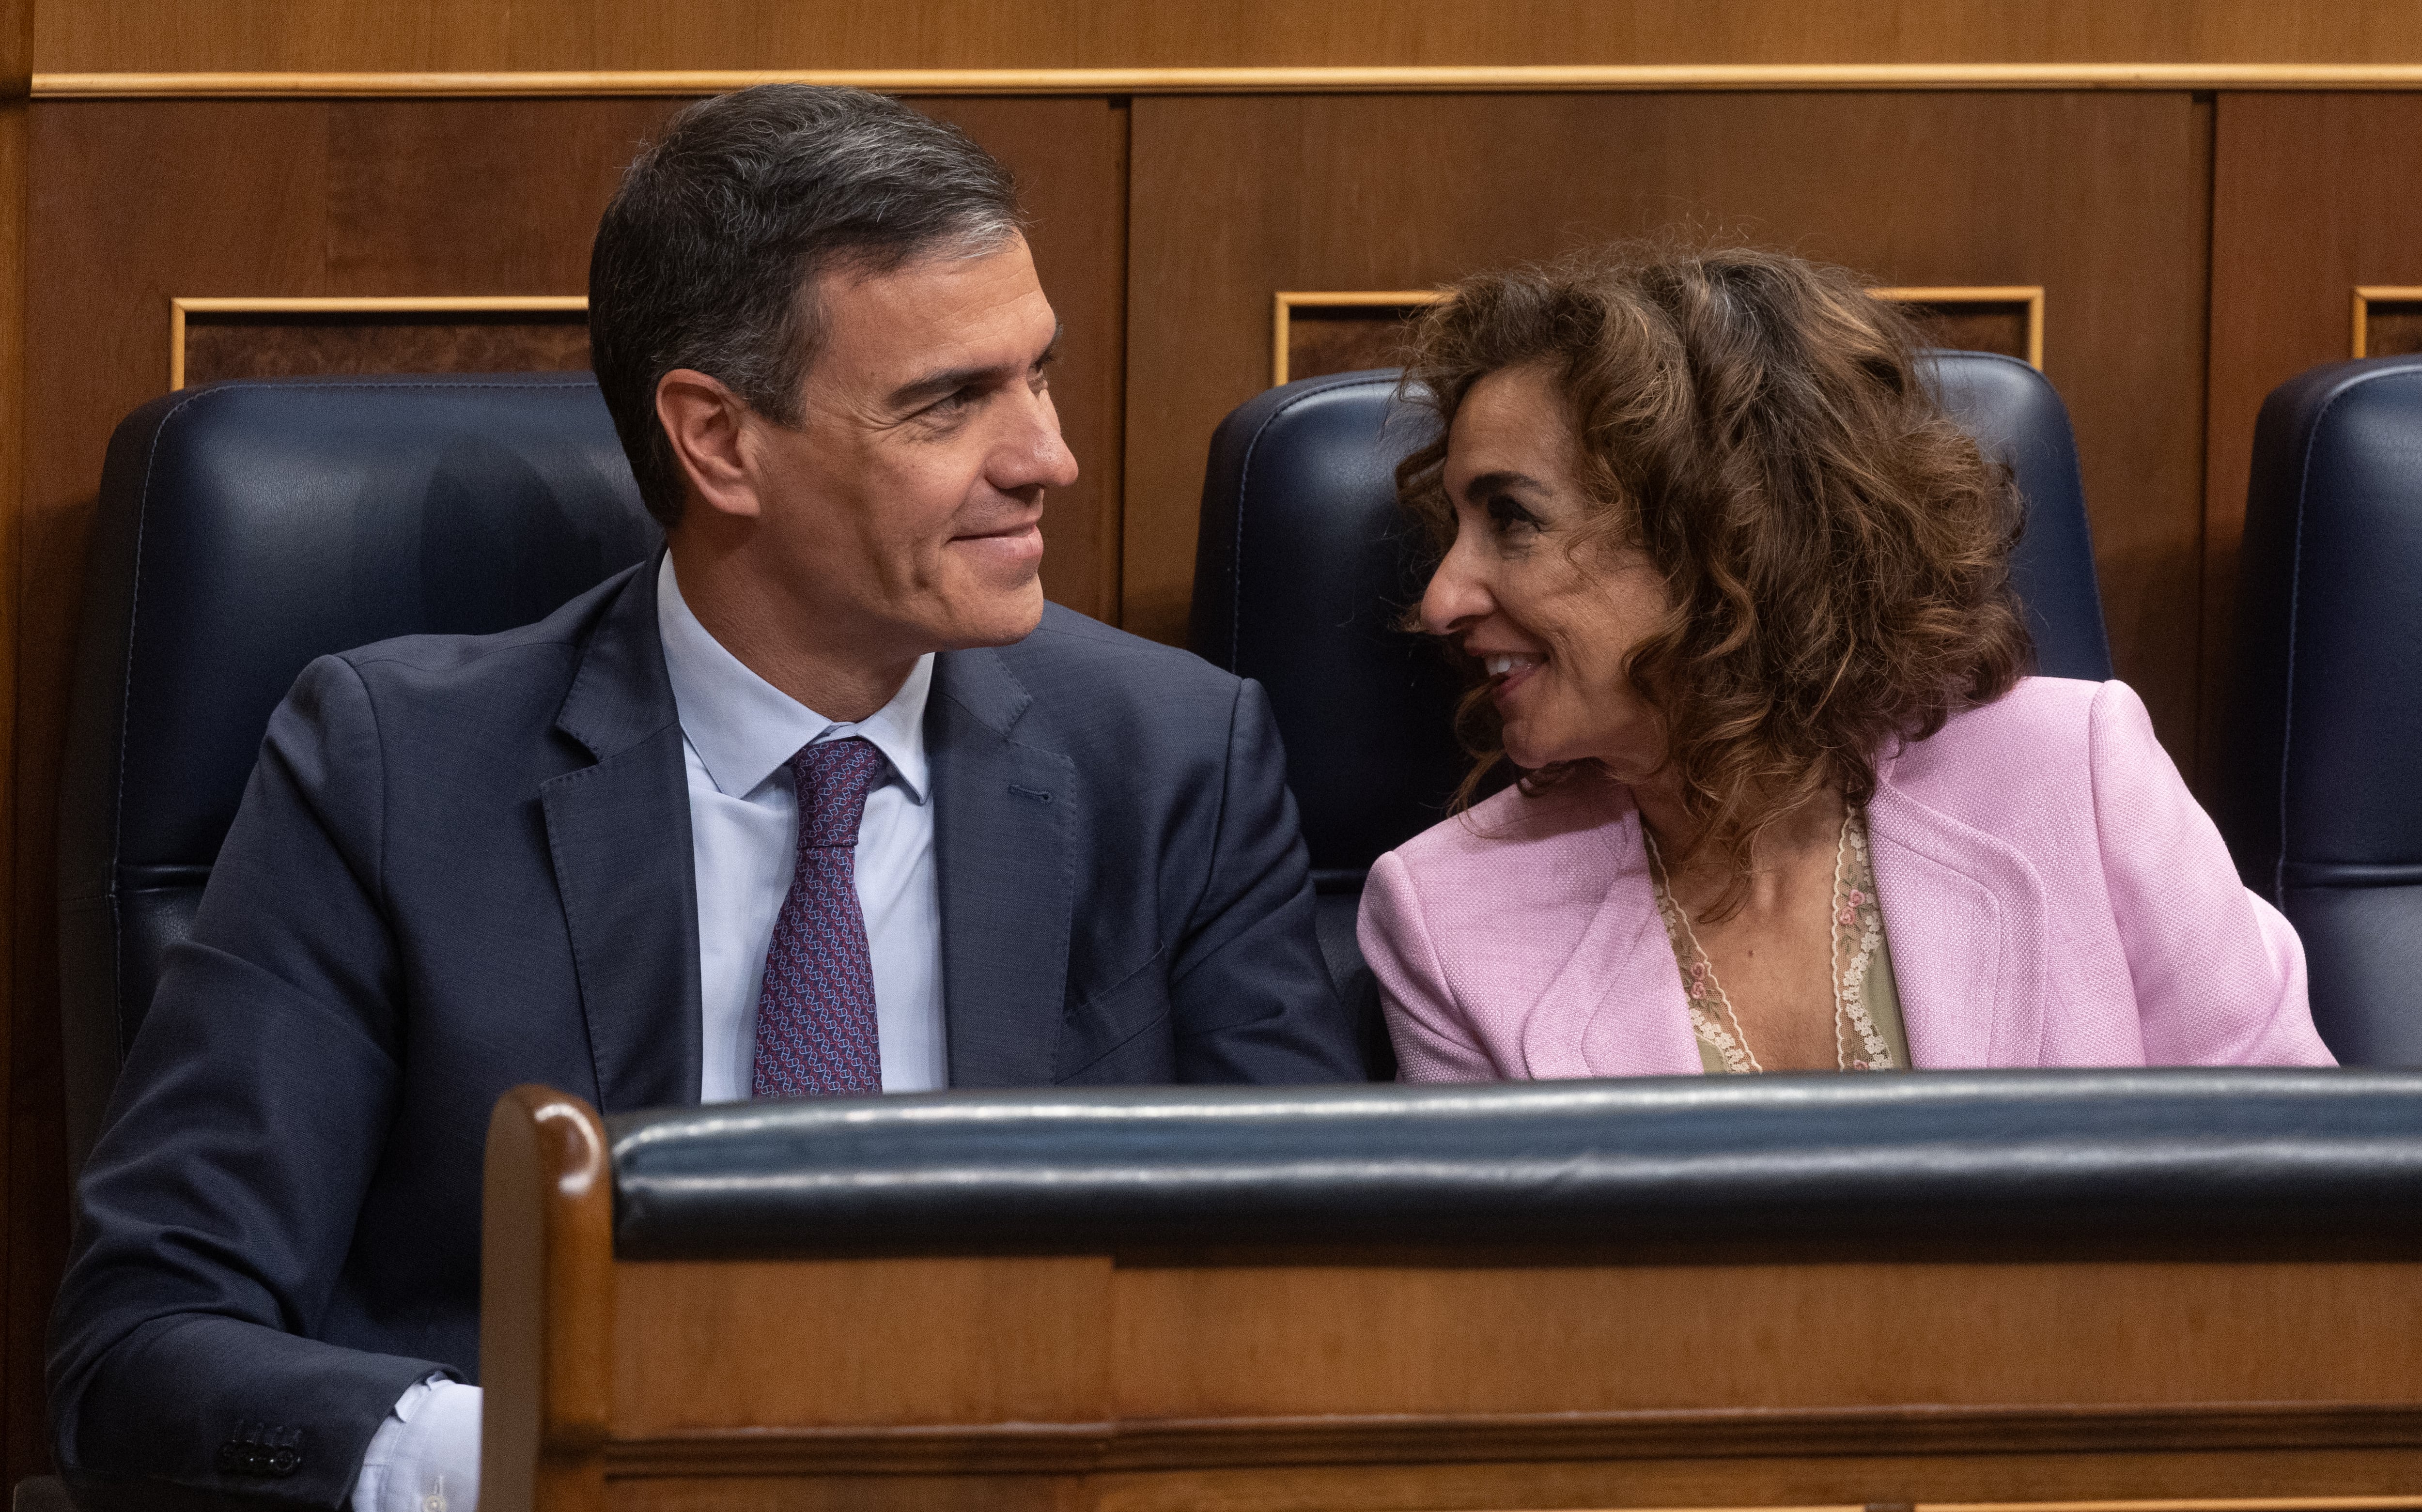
745	728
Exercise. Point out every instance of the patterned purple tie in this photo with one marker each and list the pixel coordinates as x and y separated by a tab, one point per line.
815	1014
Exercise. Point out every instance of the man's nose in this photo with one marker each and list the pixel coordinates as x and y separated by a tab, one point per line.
1036	455
1457	596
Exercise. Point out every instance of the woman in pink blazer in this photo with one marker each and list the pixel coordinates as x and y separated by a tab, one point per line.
1736	593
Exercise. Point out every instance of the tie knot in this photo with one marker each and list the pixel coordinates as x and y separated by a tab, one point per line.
832	777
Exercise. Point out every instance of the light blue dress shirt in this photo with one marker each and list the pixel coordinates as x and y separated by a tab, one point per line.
738	735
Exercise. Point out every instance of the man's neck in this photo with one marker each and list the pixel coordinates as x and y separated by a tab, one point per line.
846	684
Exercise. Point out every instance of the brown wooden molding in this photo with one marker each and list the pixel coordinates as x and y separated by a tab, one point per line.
1582	78
1093	1447
2366	295
2031	296
181	307
547	1296
1288	301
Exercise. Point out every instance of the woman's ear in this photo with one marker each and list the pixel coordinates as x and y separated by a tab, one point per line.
706	421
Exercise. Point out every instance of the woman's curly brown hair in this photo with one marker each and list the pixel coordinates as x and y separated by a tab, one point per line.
1836	548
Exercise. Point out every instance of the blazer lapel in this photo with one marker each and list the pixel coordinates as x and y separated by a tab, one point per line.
1966	922
1005	821
1616	1007
618	834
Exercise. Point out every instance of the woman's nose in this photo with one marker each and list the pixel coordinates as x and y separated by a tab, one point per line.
1456	596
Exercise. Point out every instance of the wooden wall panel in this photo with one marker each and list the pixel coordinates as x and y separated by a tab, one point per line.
277	345
2098	197
28	1074
2311	195
141	202
475	34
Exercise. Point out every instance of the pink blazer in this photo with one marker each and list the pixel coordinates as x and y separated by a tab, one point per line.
2053	896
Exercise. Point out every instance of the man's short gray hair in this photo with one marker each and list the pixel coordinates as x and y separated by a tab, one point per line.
708	255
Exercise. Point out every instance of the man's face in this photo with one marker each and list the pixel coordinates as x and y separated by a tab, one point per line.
904	510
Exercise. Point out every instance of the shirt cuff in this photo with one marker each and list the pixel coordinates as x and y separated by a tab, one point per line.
425	1457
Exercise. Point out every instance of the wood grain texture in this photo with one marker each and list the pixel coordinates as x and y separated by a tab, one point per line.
1027	1448
2308	201
2395	329
1068	1384
1672	1486
427	35
860	1342
1345	1340
269	346
1850	1475
2094	198
29	1075
1073	1383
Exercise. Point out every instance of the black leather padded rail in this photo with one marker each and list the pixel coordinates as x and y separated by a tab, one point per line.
2195	1154
1306	566
243	529
2321	772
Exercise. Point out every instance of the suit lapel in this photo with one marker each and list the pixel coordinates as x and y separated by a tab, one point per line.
1615	1009
1966	922
1005	840
618	834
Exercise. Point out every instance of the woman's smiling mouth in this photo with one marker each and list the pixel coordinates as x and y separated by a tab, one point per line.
1508	669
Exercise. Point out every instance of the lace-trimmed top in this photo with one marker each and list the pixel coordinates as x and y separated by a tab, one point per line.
1877	1041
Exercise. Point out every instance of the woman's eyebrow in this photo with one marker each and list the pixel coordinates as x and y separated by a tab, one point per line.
1490	482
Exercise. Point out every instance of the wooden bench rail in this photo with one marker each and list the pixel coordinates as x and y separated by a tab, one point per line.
546	1288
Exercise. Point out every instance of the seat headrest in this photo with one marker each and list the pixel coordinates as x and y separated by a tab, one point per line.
247	528
2326	709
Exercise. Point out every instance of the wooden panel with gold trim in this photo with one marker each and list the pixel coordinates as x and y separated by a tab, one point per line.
2387	320
211	339
1315	334
1517	78
2007	318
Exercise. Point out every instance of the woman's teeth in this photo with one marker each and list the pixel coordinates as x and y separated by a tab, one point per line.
1500	666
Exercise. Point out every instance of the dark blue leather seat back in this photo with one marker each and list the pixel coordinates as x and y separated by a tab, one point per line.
1306	565
244	528
2322	771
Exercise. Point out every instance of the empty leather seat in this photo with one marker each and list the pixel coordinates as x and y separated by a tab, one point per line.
2319	794
243	529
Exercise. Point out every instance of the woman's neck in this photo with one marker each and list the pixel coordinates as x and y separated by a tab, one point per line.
1806	833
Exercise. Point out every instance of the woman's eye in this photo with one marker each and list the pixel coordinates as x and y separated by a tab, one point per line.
1508	519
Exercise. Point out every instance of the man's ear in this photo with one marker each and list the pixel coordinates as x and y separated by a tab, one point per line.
706	421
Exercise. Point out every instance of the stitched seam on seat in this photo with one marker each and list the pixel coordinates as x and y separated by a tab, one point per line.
1244	489
2295	600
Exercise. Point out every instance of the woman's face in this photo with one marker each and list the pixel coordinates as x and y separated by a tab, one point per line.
1552	620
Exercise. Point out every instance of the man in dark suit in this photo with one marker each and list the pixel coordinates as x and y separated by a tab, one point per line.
825	801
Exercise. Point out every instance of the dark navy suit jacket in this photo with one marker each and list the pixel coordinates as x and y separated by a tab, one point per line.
463	863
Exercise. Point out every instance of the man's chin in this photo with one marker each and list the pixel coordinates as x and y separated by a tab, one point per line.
999	619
